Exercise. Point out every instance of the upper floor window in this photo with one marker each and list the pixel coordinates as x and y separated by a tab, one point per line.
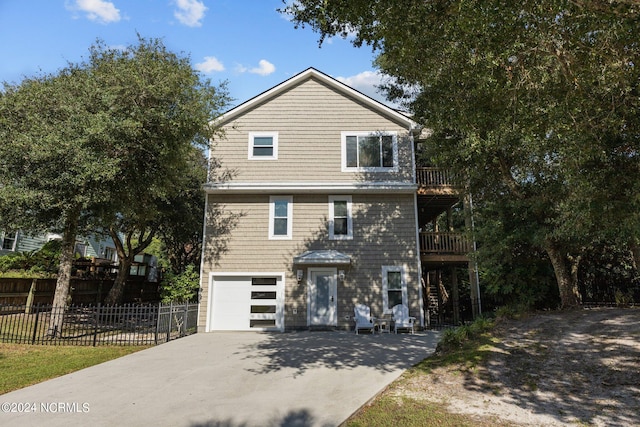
263	145
280	217
9	241
340	219
369	151
394	287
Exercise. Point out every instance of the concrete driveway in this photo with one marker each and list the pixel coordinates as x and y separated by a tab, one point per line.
239	379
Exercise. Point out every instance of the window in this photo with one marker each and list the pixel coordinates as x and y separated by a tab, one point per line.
110	253
280	217
340	219
9	242
394	287
369	151
263	145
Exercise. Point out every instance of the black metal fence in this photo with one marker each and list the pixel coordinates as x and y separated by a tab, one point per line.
97	325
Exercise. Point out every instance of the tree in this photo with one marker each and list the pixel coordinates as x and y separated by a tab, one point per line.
162	113
101	144
521	97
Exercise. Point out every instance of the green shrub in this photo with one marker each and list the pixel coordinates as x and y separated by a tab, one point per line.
183	287
456	337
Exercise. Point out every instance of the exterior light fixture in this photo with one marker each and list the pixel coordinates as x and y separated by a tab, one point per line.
299	275
341	275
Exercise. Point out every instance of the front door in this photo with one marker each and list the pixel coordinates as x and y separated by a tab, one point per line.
322	297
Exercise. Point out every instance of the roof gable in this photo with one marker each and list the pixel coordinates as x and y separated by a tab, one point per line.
309	73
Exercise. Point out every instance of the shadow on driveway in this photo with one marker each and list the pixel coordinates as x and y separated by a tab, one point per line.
339	350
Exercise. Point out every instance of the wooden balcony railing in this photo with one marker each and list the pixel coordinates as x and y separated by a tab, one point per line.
436	177
444	243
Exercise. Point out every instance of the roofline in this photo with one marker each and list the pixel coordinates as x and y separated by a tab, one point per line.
306	74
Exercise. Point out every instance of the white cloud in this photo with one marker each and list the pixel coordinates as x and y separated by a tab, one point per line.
367	83
364	82
209	65
264	68
190	12
97	10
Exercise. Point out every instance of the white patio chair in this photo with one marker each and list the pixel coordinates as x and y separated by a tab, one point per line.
401	318
362	317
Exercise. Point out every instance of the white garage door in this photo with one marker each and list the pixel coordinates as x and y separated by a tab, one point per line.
243	303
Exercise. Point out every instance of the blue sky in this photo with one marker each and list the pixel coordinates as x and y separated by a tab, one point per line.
245	42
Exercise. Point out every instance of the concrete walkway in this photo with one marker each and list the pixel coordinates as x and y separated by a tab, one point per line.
240	379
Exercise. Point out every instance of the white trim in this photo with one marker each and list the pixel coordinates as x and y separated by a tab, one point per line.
332	235
13	246
343	145
385	285
312	187
268	134
272	217
280	286
334	318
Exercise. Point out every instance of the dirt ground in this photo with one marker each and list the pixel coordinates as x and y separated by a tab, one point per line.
551	369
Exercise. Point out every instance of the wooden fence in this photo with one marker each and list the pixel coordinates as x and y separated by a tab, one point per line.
83	291
127	324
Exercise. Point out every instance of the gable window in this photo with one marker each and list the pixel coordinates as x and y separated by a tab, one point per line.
263	145
340	219
280	217
369	151
9	242
394	287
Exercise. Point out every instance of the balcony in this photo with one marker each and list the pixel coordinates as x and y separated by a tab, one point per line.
436	181
444	247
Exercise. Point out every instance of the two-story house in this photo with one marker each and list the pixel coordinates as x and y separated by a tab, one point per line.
325	194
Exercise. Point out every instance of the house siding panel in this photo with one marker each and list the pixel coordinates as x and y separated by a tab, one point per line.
384	234
309	119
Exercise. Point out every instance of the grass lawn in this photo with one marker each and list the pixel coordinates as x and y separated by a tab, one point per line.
22	365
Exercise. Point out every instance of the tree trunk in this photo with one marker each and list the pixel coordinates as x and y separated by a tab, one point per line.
635	253
566	270
117	290
64	275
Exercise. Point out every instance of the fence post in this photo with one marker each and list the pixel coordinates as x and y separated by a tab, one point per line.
32	291
169	328
186	319
157	321
35	326
95	326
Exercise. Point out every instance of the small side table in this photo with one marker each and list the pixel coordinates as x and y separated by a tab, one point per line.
382	324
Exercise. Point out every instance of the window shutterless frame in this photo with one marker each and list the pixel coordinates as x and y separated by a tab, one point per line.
369	151
280	217
263	146
340	218
394	287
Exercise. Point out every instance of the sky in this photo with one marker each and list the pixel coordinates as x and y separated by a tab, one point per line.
244	42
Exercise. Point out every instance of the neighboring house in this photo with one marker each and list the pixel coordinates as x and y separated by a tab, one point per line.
86	247
101	249
329	207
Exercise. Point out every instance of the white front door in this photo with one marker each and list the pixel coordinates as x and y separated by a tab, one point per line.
322	307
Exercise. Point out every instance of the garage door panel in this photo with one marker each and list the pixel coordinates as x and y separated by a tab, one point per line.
245	303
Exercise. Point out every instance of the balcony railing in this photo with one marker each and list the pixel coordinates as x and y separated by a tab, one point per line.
436	177
444	243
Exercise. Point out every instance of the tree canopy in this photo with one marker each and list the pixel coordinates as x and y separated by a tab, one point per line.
536	103
102	144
